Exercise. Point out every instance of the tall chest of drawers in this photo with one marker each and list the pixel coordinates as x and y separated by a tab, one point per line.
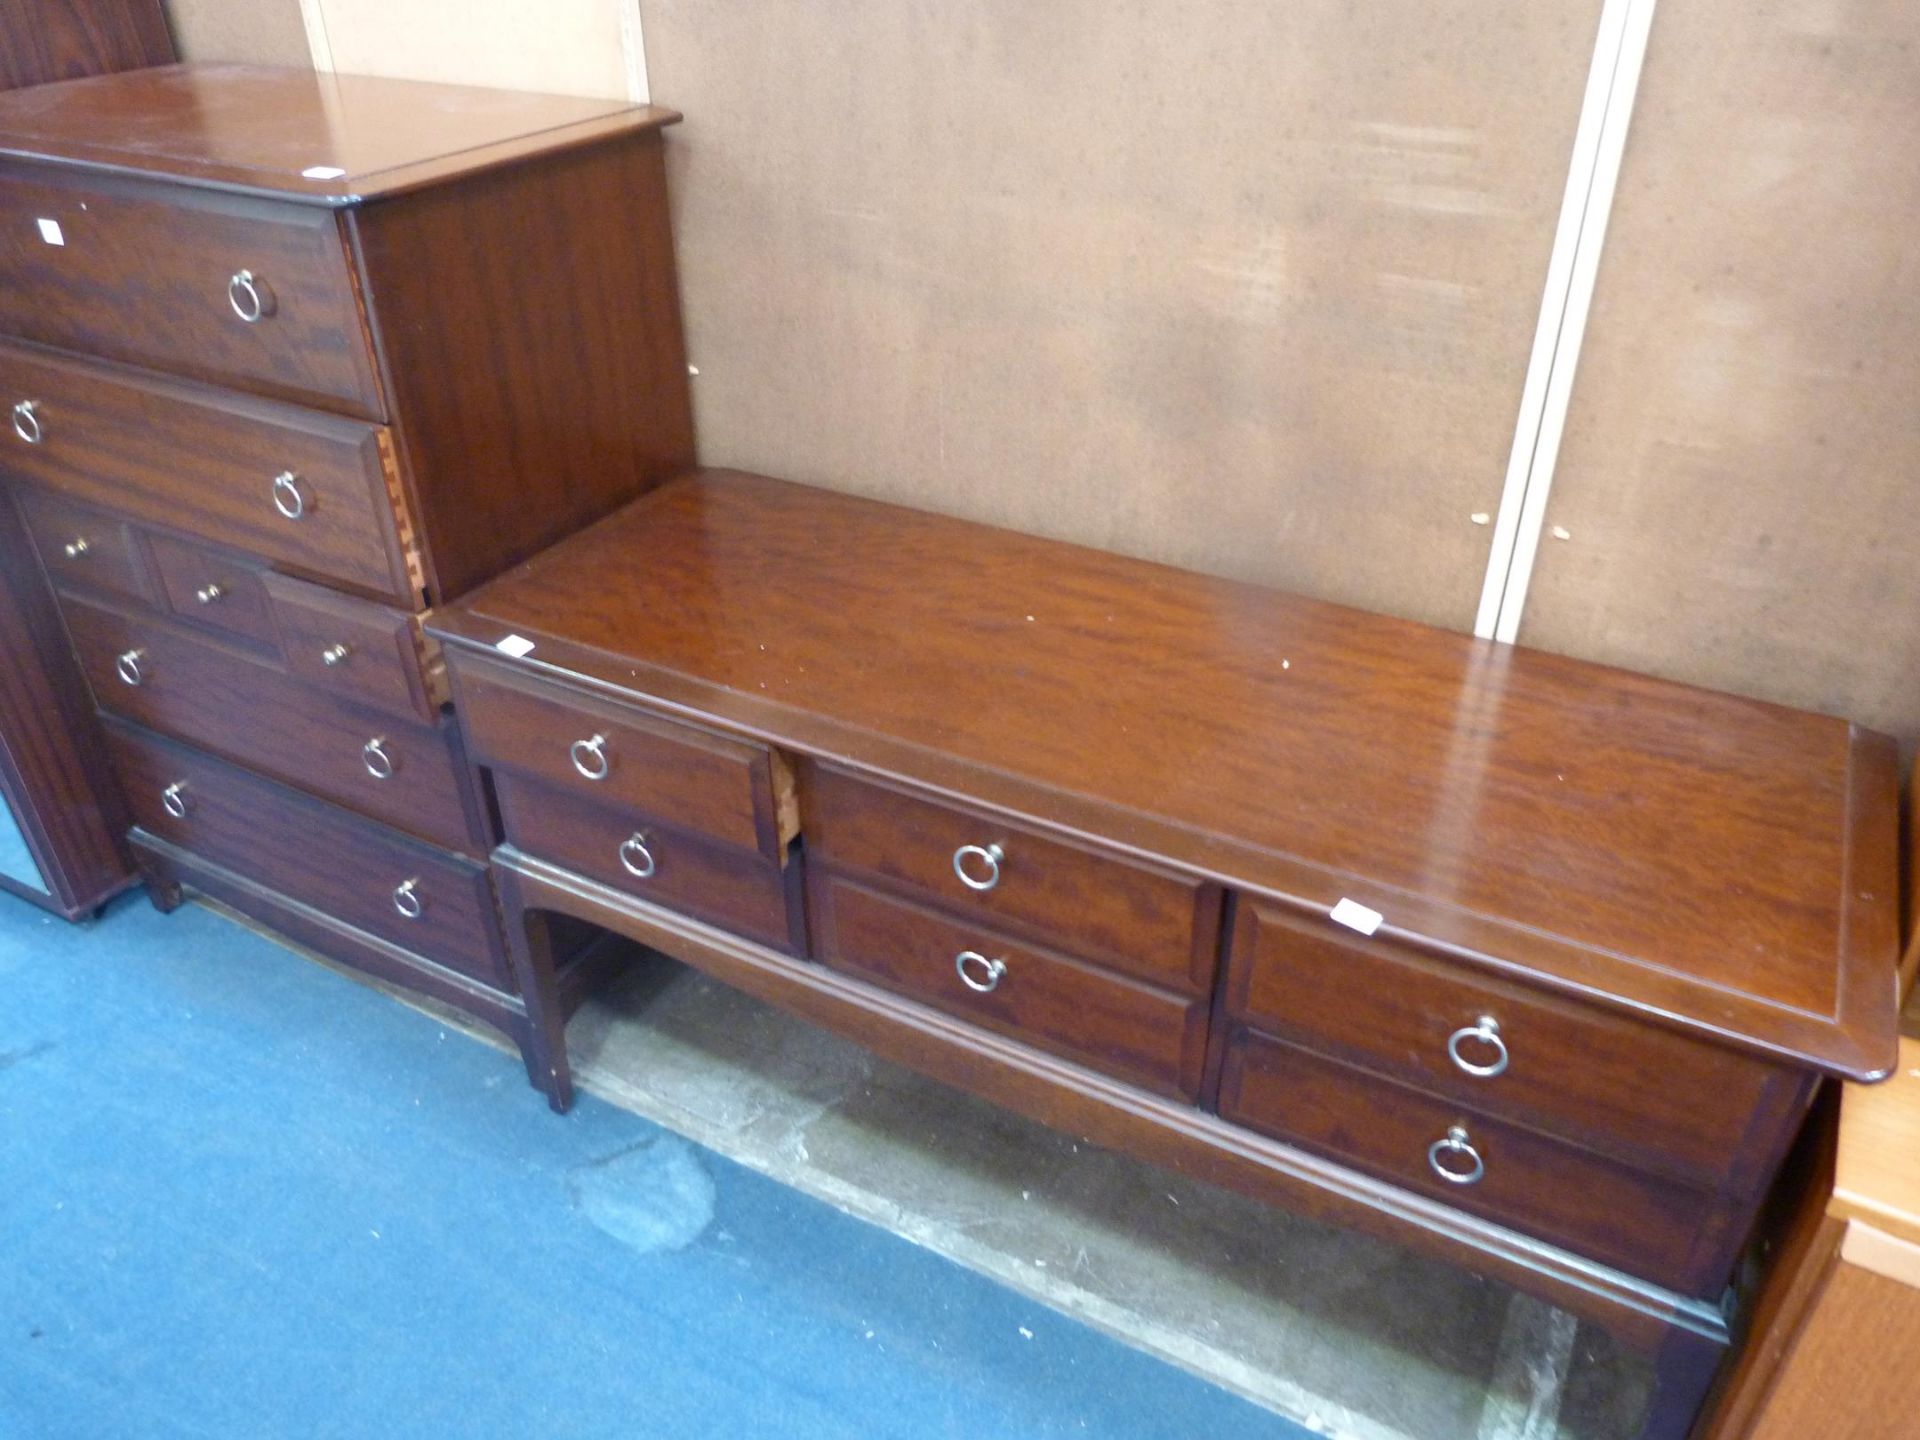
290	360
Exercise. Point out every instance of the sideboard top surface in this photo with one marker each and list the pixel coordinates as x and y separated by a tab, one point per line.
320	138
1720	864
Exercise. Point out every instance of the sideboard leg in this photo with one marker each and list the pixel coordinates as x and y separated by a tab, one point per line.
1685	1368
543	1039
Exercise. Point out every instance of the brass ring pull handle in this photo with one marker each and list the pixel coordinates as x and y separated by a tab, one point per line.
1454	1159
977	972
288	498
635	858
27	424
173	799
374	756
129	667
406	899
590	757
250	296
988	858
1485	1033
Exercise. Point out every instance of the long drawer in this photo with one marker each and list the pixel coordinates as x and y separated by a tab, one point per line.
306	491
1636	1222
410	894
405	773
1655	1100
1107	1021
225	288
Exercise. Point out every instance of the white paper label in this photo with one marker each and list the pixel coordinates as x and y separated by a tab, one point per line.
50	232
1355	916
322	172
515	645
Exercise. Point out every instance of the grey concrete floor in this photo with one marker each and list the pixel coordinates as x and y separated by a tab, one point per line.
1352	1337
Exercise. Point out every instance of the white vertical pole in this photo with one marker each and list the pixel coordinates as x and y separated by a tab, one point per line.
633	49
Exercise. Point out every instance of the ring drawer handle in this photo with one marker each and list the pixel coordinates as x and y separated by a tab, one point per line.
590	757
78	547
1456	1145
989	856
636	858
967	961
207	594
173	799
250	296
1484	1031
335	655
129	667
26	422
288	498
374	756
406	899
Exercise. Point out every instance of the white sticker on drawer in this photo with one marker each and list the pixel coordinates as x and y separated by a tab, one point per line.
514	645
1355	916
50	232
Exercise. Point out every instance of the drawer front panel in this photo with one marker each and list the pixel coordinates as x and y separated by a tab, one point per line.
737	890
353	648
1652	1099
249	711
143	275
412	895
1106	1021
84	548
210	465
1637	1223
212	588
617	757
1150	922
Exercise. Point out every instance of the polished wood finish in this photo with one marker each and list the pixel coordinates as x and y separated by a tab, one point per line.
1507	810
42	41
1700	1113
1148	921
205	462
361	651
315	853
83	548
215	588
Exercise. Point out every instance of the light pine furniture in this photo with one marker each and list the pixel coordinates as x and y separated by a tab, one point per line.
1079	833
287	360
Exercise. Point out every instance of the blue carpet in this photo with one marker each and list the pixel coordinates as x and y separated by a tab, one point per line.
242	1196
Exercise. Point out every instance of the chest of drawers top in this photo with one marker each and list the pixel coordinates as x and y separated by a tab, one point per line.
1707	863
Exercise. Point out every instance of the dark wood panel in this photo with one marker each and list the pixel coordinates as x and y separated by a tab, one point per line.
353	648
215	588
247	710
1701	1113
638	853
142	273
85	548
207	463
1139	918
47	40
607	755
1642	1225
1133	1031
585	389
1709	863
315	853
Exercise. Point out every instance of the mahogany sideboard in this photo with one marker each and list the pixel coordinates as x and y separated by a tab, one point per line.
1531	963
287	360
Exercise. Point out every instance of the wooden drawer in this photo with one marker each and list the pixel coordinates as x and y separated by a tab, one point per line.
1638	1223
355	649
412	895
1151	922
143	275
248	710
735	889
1108	1022
616	756
84	548
1699	1113
213	588
210	464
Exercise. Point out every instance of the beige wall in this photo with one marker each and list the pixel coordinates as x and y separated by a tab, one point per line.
256	32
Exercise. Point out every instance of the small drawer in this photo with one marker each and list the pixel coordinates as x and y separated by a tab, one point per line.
1655	1100
250	711
213	588
1151	922
409	894
356	649
615	756
1107	1022
172	278
84	548
735	889
1640	1224
306	492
